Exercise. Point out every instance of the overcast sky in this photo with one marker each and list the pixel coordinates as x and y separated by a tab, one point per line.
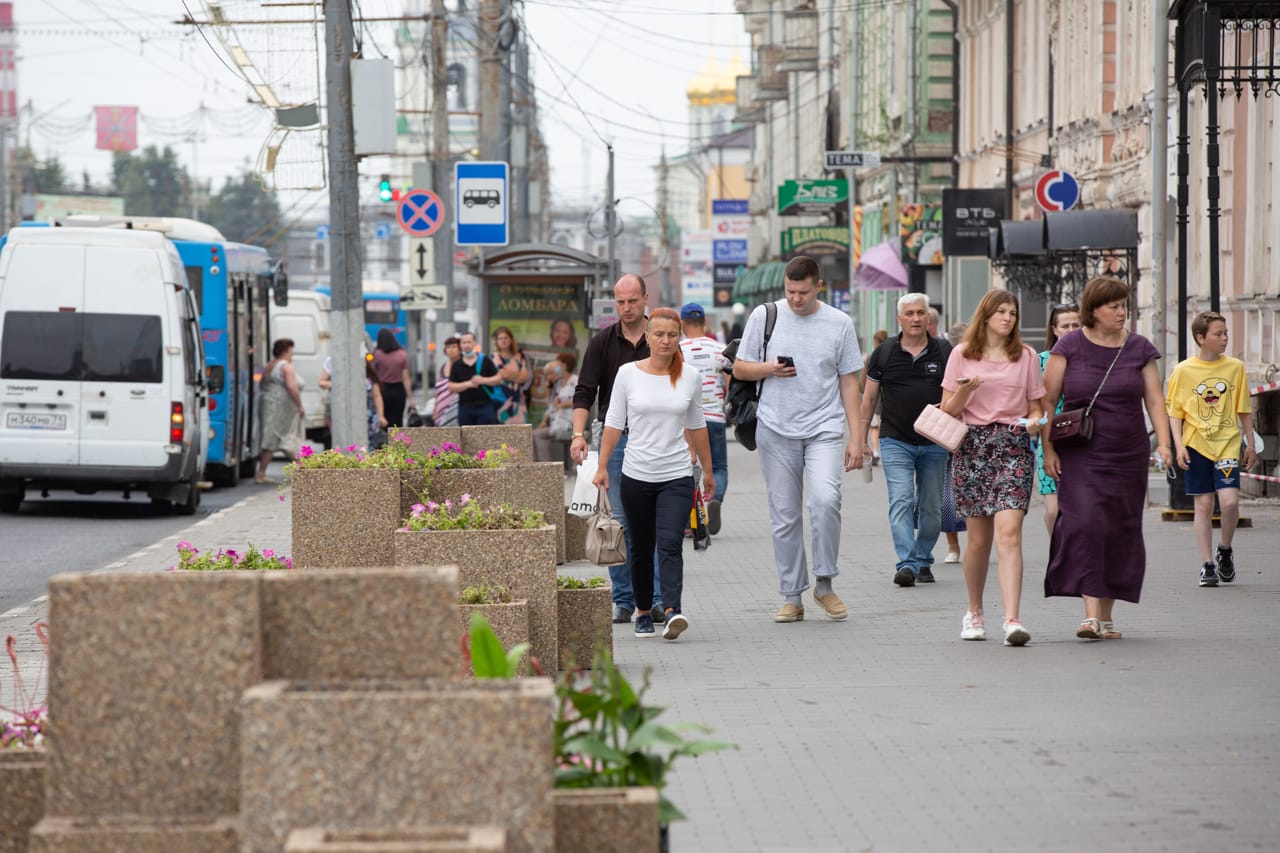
606	70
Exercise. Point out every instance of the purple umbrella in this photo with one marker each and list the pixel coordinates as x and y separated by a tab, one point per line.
881	268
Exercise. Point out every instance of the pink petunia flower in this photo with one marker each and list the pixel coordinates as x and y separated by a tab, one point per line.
305	451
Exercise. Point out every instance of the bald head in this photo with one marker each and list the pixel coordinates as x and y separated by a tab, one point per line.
630	300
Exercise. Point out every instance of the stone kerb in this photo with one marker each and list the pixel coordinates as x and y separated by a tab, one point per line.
584	618
606	820
509	620
413	754
145	676
524	561
436	839
118	835
360	623
22	780
345	517
518	438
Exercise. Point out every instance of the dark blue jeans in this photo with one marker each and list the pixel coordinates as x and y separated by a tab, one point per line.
620	575
657	514
719	457
476	415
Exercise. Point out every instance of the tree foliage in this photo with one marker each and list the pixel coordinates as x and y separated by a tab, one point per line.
39	176
152	183
242	210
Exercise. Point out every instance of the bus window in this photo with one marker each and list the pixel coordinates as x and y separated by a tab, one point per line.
379	312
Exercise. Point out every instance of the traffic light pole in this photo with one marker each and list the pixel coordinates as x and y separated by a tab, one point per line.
347	306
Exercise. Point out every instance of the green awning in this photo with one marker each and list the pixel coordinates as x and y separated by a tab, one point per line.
754	282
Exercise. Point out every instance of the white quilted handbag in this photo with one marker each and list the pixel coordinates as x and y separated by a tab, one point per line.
940	428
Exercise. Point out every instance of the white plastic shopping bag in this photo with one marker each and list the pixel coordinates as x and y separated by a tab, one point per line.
583	502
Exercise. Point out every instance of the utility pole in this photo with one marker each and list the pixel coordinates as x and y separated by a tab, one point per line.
521	135
668	296
610	219
440	143
490	79
347	312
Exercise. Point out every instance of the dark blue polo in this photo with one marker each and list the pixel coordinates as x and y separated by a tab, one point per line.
907	385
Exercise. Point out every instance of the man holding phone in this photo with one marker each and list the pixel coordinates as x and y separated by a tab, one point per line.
809	395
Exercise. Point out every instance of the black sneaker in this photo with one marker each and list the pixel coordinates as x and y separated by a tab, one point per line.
1208	575
713	516
905	577
1226	565
659	615
924	575
644	625
676	625
621	615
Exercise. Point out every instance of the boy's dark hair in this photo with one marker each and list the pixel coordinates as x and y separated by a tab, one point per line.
802	268
1200	325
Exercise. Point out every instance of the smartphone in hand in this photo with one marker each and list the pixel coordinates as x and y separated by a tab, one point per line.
787	360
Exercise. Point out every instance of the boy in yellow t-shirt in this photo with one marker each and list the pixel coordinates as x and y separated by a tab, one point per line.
1206	395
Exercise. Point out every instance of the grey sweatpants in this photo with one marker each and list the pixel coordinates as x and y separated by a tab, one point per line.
787	464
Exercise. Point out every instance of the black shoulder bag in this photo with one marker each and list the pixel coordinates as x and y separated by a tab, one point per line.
742	399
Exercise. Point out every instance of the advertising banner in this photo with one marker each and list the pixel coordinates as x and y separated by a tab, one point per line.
117	128
805	196
967	219
546	320
695	268
815	241
921	228
730	244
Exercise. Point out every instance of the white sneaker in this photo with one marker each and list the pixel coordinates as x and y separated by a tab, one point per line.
676	625
974	627
1015	634
953	557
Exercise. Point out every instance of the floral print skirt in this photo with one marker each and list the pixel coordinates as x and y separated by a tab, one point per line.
993	470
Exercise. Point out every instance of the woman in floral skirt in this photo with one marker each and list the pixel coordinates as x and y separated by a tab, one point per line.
993	383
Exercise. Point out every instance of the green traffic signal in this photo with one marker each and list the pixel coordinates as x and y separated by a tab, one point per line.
384	188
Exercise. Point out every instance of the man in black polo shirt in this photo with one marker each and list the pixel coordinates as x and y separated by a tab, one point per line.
621	343
907	371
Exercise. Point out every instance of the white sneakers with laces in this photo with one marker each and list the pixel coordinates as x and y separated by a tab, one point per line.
973	627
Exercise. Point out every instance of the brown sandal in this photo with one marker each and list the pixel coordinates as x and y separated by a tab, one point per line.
1090	629
1108	631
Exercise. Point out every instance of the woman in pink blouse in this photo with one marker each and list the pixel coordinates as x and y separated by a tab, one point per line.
993	383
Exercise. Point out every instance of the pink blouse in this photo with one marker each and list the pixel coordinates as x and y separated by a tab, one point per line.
1007	386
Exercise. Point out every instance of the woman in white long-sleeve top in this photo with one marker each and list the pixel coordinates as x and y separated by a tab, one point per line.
659	404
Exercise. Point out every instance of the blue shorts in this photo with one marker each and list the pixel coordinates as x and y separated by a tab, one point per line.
1205	476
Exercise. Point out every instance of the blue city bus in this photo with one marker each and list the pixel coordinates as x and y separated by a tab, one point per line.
381	309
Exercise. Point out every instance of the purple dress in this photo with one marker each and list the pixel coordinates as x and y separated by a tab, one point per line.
1097	547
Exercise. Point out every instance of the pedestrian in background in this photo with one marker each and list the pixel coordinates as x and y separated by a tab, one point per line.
1207	396
516	374
391	363
280	424
952	521
619	344
993	383
1096	547
809	394
470	377
445	410
376	414
706	355
557	420
658	401
904	374
934	319
1062	319
873	433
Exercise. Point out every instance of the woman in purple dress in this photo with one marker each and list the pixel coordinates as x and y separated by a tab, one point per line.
1096	551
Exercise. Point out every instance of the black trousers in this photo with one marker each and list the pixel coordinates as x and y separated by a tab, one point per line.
393	403
657	515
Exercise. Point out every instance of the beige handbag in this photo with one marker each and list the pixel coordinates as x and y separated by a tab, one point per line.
940	428
606	541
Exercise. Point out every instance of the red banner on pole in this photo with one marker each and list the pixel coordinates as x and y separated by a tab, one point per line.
117	128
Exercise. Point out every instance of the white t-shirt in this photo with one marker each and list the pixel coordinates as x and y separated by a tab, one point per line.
705	354
655	416
824	348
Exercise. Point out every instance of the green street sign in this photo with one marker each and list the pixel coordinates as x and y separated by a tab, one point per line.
805	196
816	240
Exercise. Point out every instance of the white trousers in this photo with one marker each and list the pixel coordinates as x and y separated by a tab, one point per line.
787	464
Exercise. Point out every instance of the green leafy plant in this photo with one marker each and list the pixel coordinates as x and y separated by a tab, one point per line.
485	594
450	455
191	559
482	649
567	582
468	514
606	736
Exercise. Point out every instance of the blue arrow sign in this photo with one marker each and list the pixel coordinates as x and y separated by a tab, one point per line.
481	204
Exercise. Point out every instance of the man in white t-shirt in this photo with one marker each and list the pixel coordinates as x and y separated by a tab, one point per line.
706	354
809	394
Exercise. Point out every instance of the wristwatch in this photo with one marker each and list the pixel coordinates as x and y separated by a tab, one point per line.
579	435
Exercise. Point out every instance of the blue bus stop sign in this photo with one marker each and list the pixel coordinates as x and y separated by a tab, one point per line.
481	208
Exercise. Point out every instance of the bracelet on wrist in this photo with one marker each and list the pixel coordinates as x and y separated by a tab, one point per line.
579	435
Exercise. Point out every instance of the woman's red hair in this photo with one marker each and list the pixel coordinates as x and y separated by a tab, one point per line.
677	358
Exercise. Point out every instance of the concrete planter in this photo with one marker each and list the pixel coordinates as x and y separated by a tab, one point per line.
510	620
518	439
575	537
129	835
606	820
524	561
22	778
145	676
488	486
438	839
584	618
380	623
397	755
345	517
540	486
425	438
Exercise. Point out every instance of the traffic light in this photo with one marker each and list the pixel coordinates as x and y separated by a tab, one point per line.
384	188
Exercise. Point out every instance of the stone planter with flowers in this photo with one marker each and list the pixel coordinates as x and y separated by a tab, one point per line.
508	616
584	611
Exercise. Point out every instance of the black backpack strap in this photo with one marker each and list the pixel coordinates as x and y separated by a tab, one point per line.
770	317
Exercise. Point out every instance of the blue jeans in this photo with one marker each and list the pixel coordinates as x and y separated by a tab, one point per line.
719	458
914	474
476	415
624	594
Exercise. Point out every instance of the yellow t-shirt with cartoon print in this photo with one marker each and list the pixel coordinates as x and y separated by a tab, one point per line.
1208	396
